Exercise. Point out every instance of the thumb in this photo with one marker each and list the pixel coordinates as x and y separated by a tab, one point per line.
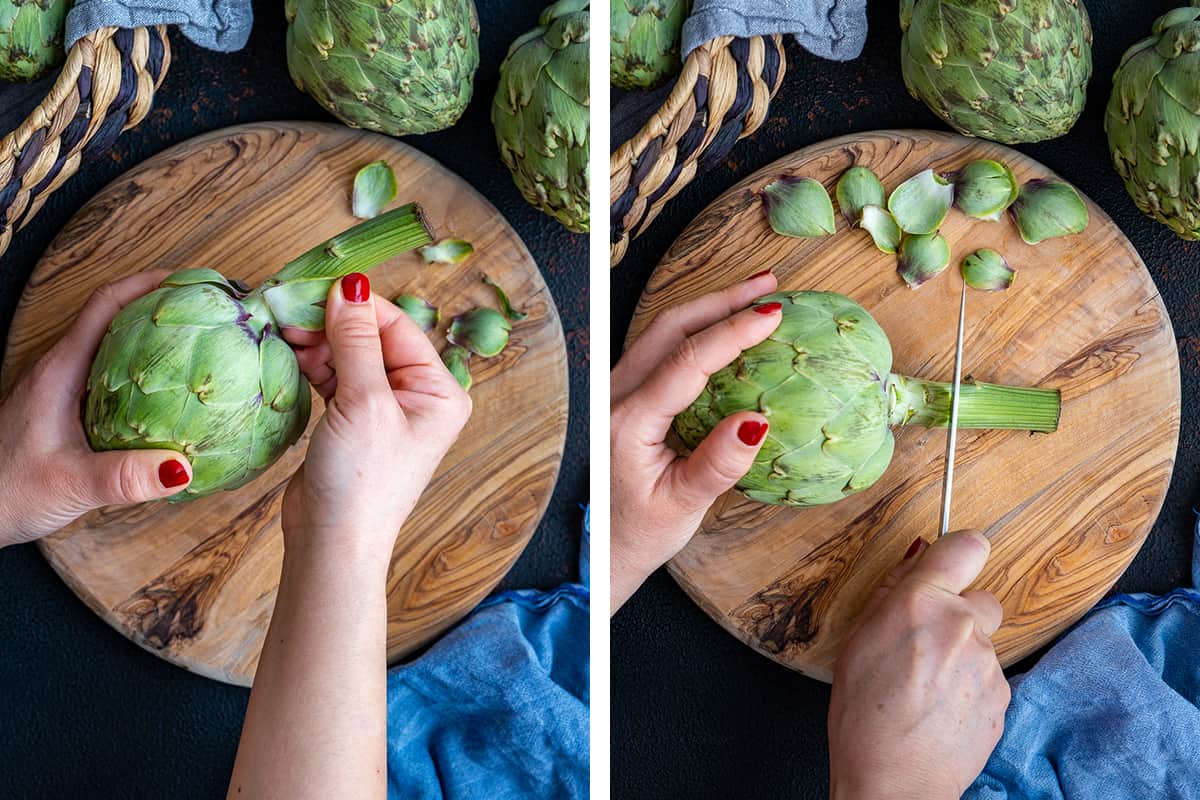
121	477
720	461
952	562
353	333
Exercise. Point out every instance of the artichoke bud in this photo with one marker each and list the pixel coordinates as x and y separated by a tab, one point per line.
919	205
483	331
422	312
1047	209
883	228
798	207
856	189
922	256
984	189
987	270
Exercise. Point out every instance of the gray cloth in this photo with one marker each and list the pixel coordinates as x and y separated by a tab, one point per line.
835	29
222	25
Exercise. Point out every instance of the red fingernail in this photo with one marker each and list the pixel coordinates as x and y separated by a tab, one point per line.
356	288
751	432
762	274
172	473
912	549
769	308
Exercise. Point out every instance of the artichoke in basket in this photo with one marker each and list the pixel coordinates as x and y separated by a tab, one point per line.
540	113
198	365
645	38
1007	70
824	381
1153	122
31	38
395	66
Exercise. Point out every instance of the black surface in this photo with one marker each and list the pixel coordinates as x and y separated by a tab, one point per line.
694	712
85	713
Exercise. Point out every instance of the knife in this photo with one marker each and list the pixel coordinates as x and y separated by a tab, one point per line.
952	436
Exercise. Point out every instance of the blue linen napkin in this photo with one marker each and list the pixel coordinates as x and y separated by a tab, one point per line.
498	708
222	25
1110	713
835	29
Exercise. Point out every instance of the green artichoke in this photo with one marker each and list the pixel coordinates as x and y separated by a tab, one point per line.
31	38
1007	70
645	34
824	381
540	113
1153	122
395	66
198	365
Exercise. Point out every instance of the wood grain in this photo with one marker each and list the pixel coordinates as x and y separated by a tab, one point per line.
195	583
1066	512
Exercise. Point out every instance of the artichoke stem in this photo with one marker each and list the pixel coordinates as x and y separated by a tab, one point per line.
913	401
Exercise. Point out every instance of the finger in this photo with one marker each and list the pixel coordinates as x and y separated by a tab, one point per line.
674	325
719	462
316	362
987	610
353	334
896	574
121	477
298	337
952	562
404	343
678	381
327	389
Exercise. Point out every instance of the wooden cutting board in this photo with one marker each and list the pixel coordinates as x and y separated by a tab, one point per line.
195	582
1067	512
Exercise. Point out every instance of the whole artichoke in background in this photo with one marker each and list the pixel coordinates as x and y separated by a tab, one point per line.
198	365
645	38
31	38
541	116
824	381
1153	122
395	66
1007	70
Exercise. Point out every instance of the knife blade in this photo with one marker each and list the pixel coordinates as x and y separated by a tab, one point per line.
952	434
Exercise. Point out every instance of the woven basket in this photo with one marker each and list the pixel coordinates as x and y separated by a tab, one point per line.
721	96
105	87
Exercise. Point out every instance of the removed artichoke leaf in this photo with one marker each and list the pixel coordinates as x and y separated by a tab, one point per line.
798	207
882	226
921	202
922	256
458	361
987	270
448	251
422	312
374	189
984	189
502	299
483	331
856	189
1046	209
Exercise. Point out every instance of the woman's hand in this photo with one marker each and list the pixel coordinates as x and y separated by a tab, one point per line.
658	497
918	694
49	475
392	412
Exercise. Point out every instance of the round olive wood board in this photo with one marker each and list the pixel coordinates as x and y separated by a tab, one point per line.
195	582
1066	512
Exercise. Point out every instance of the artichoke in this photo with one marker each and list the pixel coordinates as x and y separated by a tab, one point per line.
1153	122
1007	70
644	51
824	381
198	365
394	66
31	38
540	113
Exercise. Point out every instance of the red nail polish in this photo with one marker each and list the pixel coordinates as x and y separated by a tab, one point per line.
751	432
172	473
769	308
356	288
912	549
762	274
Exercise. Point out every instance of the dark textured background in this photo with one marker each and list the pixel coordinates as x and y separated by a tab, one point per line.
85	713
695	713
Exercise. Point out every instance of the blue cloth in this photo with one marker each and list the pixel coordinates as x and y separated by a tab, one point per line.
1110	713
222	25
498	708
835	29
